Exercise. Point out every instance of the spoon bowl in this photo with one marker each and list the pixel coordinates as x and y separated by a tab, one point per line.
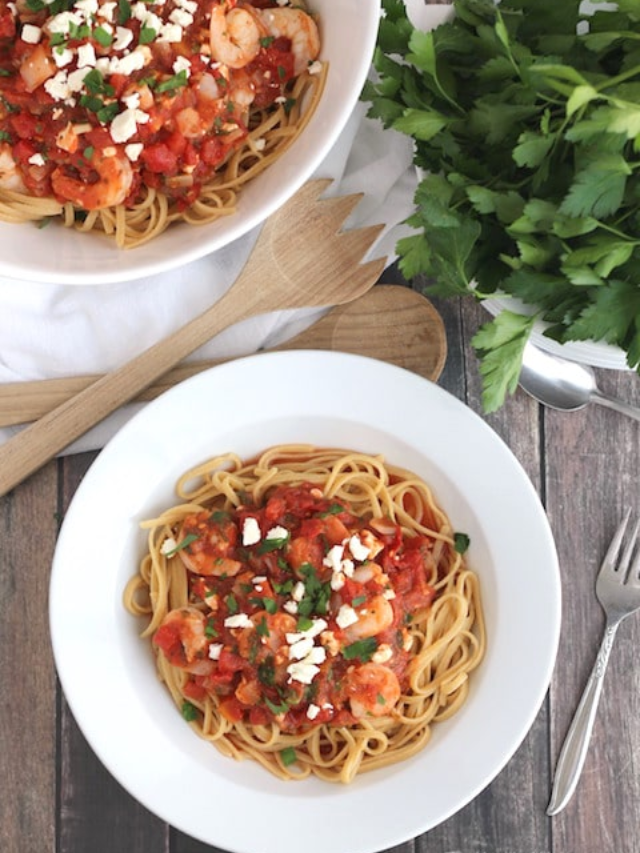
564	385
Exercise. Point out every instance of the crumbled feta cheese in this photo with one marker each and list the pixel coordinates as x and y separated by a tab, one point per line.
182	64
76	79
214	651
278	532
58	86
301	648
297	593
132	101
181	17
389	594
313	711
62	56
238	620
359	551
258	579
133	150
382	654
107	10
302	672
317	655
317	627
315	67
130	62
337	581
31	34
36	160
86	55
87	7
333	560
123	38
125	124
291	607
250	531
346	616
170	33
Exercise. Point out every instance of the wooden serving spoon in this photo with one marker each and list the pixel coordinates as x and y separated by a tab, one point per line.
389	322
301	260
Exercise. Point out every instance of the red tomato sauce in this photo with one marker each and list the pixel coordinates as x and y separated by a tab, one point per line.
301	610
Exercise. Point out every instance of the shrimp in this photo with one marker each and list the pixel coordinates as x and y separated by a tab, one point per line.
209	545
113	184
183	641
373	690
374	616
10	177
298	26
234	36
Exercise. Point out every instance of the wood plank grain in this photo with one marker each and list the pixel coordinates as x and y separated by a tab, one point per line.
593	471
509	815
96	813
28	528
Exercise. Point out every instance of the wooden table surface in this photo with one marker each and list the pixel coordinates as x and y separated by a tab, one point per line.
57	797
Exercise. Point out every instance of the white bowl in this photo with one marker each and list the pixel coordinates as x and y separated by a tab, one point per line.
56	254
107	671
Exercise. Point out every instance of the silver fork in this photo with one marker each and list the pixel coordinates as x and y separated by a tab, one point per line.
618	591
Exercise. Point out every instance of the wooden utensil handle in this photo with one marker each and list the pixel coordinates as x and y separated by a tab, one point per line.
23	402
41	441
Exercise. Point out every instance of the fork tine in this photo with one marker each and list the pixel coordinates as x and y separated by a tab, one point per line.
614	548
625	560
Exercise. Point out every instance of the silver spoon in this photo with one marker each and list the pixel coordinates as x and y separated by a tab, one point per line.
563	384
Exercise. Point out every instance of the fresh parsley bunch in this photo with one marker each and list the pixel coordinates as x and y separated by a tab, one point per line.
526	121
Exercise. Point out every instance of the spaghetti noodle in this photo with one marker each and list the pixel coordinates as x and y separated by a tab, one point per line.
310	609
123	117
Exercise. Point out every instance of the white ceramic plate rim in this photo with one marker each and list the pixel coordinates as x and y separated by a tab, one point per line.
63	256
328	399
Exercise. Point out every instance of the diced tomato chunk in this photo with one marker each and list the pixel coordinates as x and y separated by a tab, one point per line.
160	158
231	709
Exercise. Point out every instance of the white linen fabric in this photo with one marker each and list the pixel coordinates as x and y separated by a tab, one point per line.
49	330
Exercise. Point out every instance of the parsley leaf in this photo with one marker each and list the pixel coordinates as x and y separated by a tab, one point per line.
525	120
501	342
361	649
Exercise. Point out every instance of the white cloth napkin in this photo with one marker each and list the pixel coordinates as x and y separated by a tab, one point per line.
48	330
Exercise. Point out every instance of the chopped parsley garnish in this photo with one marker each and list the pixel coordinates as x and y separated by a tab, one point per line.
266	673
461	542
262	629
288	756
268	604
103	37
361	649
189	711
210	631
232	603
124	11
188	539
272	544
334	509
316	594
171	83
281	708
